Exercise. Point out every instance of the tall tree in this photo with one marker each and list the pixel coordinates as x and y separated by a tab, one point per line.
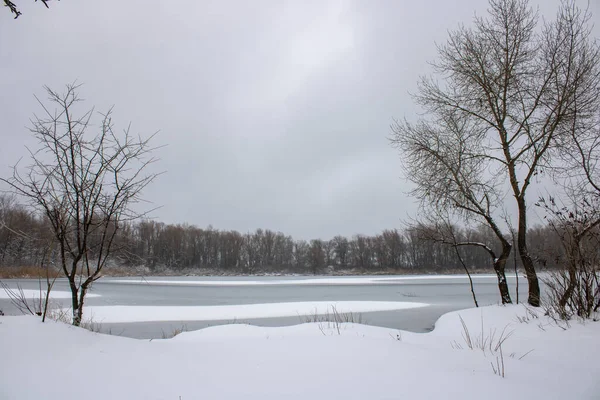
519	85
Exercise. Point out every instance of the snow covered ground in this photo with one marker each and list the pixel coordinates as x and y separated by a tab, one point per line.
55	361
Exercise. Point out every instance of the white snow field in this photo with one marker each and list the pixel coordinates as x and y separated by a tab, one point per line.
54	361
112	314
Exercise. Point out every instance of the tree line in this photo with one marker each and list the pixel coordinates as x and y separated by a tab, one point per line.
182	247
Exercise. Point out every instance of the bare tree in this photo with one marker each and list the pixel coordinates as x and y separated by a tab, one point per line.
519	86
316	256
442	159
85	185
341	249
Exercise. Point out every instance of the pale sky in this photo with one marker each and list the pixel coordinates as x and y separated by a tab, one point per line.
275	114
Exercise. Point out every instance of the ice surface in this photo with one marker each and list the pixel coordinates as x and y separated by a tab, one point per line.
112	314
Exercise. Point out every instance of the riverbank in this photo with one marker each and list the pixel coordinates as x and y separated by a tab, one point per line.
123	272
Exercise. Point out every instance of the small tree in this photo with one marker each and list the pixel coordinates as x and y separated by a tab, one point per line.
85	185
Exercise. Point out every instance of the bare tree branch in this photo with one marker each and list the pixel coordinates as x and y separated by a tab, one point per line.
15	10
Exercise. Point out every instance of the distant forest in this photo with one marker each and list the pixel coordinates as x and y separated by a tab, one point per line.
159	248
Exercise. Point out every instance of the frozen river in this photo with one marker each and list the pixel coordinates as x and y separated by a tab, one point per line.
440	294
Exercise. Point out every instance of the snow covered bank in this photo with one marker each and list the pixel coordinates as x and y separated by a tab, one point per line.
111	314
54	361
310	281
35	294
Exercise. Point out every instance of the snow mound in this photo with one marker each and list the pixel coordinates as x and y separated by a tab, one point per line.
308	361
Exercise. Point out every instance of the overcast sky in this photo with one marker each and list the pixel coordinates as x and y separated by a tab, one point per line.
275	114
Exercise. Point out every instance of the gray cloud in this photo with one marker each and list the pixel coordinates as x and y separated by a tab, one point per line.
275	113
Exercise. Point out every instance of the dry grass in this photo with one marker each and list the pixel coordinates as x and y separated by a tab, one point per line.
174	332
333	319
490	342
65	316
499	367
530	315
29	271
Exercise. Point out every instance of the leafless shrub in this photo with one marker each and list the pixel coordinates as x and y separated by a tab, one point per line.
34	306
45	269
565	300
574	291
18	299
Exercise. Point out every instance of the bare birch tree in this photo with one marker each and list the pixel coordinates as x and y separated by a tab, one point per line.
85	185
519	85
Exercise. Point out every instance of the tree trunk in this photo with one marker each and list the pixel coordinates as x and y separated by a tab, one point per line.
84	288
499	267
532	279
75	302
